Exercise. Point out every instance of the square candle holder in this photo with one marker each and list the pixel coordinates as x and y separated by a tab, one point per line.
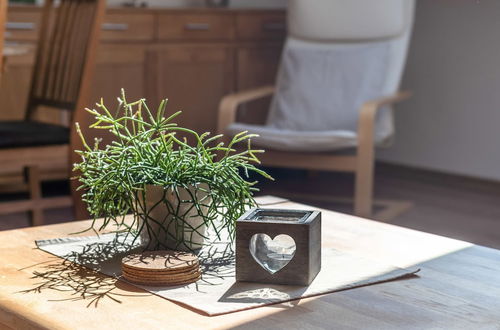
278	246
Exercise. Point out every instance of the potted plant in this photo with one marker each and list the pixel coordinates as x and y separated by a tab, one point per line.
178	189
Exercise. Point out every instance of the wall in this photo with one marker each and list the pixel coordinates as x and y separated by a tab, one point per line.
452	123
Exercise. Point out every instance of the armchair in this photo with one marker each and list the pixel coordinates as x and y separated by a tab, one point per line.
328	27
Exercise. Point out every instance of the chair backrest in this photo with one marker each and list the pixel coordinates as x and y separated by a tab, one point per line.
340	54
352	21
3	20
66	55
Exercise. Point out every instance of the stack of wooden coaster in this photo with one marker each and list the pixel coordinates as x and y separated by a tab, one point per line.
161	268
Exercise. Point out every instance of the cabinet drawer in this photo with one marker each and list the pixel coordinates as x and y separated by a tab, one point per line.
133	27
23	25
261	26
196	26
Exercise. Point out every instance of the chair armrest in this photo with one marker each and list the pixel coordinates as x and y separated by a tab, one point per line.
229	104
366	151
369	111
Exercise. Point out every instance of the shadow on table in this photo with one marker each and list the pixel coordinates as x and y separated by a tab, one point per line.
217	263
240	293
80	274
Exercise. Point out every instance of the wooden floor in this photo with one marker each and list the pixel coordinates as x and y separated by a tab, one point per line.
463	208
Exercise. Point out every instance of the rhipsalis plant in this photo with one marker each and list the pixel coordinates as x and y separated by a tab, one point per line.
150	149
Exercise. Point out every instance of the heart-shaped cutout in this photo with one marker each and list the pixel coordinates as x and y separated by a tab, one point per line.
272	254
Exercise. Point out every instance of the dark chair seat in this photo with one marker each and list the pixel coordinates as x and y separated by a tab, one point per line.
18	134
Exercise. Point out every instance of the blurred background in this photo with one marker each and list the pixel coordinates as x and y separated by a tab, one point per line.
437	169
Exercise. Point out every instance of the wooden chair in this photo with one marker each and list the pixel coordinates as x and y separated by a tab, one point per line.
324	24
63	70
3	21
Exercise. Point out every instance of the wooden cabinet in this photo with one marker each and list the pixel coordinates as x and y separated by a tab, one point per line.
14	86
194	78
191	56
23	24
119	66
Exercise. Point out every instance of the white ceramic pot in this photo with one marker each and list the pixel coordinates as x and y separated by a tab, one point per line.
172	221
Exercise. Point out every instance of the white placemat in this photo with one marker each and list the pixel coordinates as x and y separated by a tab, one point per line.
218	292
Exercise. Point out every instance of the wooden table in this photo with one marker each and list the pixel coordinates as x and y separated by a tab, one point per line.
458	287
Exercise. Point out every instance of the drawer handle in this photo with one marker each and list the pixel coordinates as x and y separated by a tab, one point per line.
20	26
115	26
273	26
197	26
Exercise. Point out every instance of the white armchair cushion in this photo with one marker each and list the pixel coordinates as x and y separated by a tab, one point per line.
300	141
321	87
289	140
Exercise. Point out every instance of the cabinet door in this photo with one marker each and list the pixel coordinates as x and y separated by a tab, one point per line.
194	79
22	27
23	24
15	85
118	66
256	67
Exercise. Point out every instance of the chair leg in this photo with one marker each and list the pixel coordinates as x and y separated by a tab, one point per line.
363	189
35	191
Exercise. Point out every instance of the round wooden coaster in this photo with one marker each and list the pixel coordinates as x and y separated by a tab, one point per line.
161	261
163	277
159	272
160	282
186	278
179	269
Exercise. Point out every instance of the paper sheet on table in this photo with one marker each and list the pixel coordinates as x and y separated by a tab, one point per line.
218	292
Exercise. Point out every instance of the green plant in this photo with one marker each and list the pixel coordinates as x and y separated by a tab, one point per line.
147	150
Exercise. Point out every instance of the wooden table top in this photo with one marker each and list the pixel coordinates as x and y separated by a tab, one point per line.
458	287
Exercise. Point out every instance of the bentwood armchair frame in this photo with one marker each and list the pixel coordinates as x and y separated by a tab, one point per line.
361	164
